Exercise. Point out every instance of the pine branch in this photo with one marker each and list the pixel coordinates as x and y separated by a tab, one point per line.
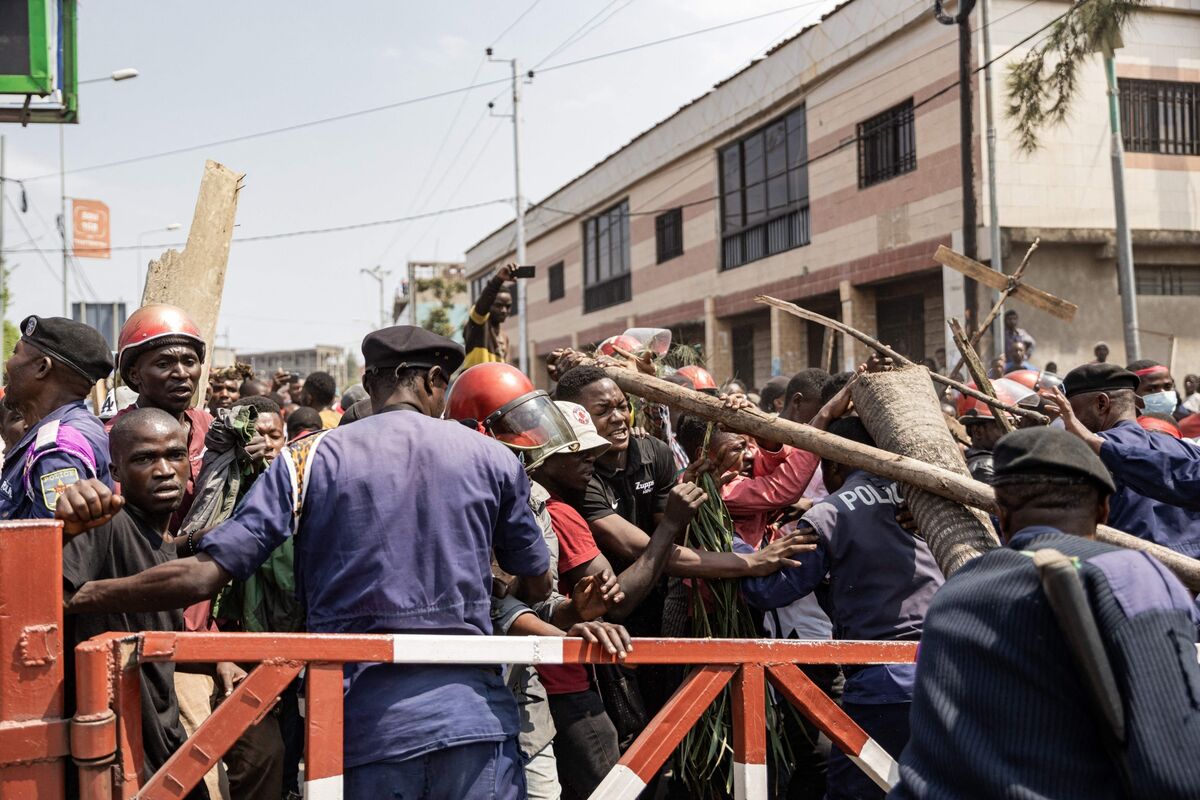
1043	84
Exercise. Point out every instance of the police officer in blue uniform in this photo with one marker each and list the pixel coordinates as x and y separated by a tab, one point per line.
1157	478
881	580
54	366
395	531
1058	666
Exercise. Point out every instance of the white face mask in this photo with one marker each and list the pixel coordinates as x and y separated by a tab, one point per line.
1161	402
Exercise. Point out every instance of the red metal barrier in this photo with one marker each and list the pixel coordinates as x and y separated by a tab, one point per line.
748	664
34	738
104	739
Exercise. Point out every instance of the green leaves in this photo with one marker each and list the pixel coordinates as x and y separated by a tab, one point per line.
1042	85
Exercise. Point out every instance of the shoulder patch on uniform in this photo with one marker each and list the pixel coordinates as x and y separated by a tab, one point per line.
47	435
55	483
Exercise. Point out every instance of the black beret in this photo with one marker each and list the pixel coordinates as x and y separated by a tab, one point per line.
1047	453
1098	378
79	346
410	346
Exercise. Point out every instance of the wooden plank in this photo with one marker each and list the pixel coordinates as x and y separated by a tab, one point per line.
194	280
1043	301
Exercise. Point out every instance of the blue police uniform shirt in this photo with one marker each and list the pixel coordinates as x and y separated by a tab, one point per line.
66	446
1000	709
882	579
400	518
1158	486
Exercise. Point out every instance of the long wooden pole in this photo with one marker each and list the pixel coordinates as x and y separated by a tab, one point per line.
933	479
883	349
975	367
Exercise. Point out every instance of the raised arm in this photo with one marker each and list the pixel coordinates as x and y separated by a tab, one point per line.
483	304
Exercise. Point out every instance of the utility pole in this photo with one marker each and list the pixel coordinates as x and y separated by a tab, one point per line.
966	139
519	207
62	217
379	273
1125	279
997	259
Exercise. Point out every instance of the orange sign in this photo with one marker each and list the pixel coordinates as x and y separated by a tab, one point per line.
90	229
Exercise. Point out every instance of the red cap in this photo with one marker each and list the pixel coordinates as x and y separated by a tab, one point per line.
627	343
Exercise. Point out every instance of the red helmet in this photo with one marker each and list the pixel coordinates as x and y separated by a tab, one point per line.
504	405
1026	377
1007	391
702	379
627	343
152	326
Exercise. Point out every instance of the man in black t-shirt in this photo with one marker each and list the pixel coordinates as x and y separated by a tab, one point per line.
624	504
150	459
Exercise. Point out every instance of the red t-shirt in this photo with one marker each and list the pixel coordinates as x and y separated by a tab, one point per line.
575	546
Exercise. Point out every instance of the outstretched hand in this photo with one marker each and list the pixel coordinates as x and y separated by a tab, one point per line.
778	554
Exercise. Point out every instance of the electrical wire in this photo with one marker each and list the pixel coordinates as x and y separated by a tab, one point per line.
466	175
41	253
307	231
513	24
843	144
407	101
579	33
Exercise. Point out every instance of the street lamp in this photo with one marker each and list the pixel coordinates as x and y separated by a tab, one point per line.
123	74
137	262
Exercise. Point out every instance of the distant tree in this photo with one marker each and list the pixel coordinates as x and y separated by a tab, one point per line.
1043	84
445	290
11	332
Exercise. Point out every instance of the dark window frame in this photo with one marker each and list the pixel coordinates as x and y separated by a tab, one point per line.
887	145
1160	116
1167	280
668	235
761	218
477	284
607	262
555	275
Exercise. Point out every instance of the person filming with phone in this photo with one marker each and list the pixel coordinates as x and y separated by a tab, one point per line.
483	337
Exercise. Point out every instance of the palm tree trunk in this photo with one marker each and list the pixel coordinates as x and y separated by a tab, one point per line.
901	411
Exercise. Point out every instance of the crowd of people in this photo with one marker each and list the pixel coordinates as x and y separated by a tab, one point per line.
446	494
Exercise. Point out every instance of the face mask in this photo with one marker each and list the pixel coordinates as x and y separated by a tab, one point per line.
1161	402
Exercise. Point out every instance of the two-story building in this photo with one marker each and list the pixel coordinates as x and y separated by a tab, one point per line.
828	172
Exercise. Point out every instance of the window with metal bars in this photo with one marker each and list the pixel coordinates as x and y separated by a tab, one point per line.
606	258
557	286
668	234
764	191
1167	279
887	145
1160	116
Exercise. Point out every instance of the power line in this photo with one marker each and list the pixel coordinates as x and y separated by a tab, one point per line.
679	36
41	253
307	231
466	175
408	101
578	34
847	142
513	24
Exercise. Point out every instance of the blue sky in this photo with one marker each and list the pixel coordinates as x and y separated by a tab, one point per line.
221	69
